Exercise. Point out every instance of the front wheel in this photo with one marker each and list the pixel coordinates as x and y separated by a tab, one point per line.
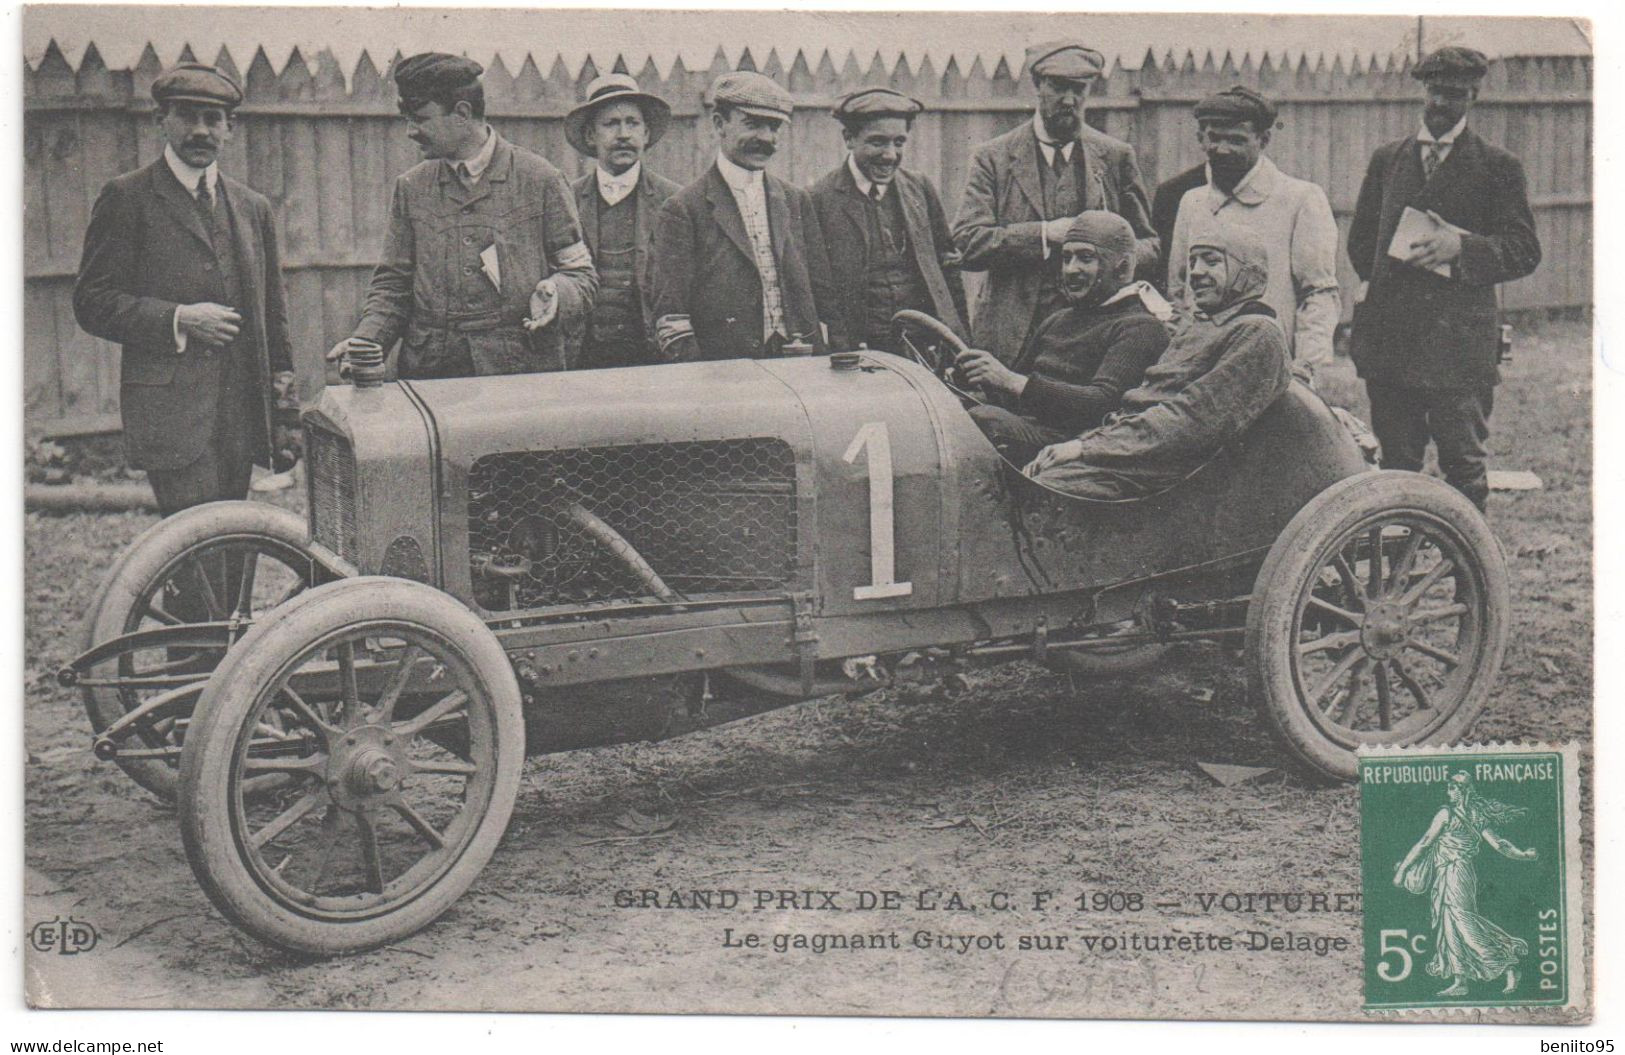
393	717
1379	617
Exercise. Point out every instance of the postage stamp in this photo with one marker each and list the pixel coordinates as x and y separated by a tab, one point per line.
1470	877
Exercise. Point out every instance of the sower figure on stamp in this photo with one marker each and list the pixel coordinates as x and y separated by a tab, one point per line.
1426	338
1290	216
1025	187
618	202
1077	365
484	270
180	267
739	267
884	226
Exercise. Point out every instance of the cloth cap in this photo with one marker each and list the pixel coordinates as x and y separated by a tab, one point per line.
433	74
1236	105
1065	58
1248	257
615	88
1106	231
857	107
197	83
1454	64
752	93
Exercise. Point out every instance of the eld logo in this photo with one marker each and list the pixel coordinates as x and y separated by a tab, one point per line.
66	937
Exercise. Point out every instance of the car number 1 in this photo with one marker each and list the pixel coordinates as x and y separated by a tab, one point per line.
874	438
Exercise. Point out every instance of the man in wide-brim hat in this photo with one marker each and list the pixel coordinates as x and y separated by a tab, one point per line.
616	125
884	226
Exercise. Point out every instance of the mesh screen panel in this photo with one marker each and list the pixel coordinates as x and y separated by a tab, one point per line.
330	465
707	517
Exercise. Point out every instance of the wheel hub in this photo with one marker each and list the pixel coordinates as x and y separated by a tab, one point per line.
1385	630
366	764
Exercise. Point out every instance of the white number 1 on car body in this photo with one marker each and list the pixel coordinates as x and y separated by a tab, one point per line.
882	547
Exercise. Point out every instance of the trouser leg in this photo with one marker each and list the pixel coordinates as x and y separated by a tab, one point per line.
1019	439
1400	420
1459	421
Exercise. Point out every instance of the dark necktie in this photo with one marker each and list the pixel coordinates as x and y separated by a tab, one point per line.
1057	160
875	193
1430	159
204	198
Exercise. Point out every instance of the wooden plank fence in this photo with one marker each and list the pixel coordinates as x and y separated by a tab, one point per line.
325	148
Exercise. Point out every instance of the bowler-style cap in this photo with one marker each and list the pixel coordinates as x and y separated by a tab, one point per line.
1067	59
1235	105
1453	63
752	93
434	73
194	82
868	103
615	88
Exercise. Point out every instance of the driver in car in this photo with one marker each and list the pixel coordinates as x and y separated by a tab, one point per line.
1227	363
1076	366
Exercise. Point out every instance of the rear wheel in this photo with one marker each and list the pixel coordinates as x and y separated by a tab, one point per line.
398	735
209	564
1379	617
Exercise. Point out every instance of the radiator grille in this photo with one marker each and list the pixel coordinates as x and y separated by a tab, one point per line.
707	517
330	465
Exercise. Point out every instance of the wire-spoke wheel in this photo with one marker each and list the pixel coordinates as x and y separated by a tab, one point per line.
1379	618
392	717
212	564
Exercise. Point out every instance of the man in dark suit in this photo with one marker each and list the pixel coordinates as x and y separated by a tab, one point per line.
1426	339
181	268
618	201
739	268
887	236
1165	210
1026	186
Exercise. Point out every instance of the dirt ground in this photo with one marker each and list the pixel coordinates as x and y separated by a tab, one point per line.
1025	782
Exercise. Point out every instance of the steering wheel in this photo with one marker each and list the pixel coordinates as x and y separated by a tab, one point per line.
940	355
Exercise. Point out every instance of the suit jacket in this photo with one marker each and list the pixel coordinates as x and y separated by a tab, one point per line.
843	216
147	252
703	270
1416	328
1000	223
653	190
431	278
1165	210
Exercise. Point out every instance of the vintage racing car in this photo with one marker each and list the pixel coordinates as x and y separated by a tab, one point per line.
492	566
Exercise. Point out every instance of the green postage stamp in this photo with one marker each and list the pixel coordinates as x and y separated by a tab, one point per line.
1470	874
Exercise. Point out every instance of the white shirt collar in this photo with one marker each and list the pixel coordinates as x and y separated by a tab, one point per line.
613	187
1046	144
738	177
187	174
1448	139
864	182
476	165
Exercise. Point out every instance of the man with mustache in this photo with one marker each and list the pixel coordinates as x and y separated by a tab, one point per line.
884	226
1077	365
1291	216
181	267
1023	190
618	201
739	269
484	270
1224	368
1426	339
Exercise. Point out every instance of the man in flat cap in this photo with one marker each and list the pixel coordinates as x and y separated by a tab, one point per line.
1290	216
1079	362
884	226
618	202
739	267
181	267
484	270
1442	218
1025	187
